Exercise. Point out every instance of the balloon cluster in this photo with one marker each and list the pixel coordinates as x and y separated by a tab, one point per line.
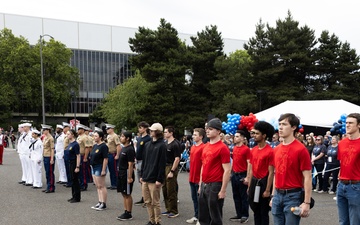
301	128
238	122
339	126
233	121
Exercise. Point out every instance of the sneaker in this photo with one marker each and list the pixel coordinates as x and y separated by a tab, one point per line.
125	216
315	190
96	206
172	215
101	207
320	192
165	213
192	220
235	219
150	223
244	219
331	193
139	202
334	198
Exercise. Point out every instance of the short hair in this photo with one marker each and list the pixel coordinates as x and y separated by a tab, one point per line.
170	129
158	134
201	131
356	116
241	132
265	128
143	124
101	134
292	119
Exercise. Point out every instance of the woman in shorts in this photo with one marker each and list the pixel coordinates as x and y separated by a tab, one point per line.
98	162
126	174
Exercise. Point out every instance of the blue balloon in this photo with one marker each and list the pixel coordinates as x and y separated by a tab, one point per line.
228	115
300	126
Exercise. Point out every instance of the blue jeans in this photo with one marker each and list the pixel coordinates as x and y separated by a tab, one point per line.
348	202
281	208
194	187
240	196
50	177
112	165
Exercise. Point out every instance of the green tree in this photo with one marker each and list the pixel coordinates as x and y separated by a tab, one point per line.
283	59
123	104
161	60
21	76
232	88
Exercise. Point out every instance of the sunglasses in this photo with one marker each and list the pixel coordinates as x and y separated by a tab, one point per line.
318	139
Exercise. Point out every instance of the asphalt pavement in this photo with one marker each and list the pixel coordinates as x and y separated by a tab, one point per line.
22	205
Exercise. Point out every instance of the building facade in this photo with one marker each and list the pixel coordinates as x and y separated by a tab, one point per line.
100	52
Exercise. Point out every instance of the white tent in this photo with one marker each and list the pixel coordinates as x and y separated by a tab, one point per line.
319	113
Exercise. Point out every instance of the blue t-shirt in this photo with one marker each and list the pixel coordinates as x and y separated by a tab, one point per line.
74	150
317	150
141	141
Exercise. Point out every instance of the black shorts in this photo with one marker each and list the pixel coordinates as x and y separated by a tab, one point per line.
122	185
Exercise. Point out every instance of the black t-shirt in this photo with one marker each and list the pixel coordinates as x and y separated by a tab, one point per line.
173	150
98	154
317	150
127	155
74	150
140	146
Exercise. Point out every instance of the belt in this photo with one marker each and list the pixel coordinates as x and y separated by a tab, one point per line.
240	173
346	182
288	191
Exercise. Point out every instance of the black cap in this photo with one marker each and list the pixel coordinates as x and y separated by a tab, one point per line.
215	123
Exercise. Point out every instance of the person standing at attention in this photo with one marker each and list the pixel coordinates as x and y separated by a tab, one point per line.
173	155
195	165
292	174
215	176
48	154
348	191
113	143
153	172
240	177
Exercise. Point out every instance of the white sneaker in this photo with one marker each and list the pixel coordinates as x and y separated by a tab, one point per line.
192	220
320	192
197	223
331	193
334	198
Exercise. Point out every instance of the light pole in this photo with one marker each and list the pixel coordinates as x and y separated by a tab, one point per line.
42	76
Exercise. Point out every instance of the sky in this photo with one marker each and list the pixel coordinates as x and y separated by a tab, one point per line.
234	18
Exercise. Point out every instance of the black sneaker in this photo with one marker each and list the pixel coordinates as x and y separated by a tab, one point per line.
125	216
101	207
96	206
235	219
139	202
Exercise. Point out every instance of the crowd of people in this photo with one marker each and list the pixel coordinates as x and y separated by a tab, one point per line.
268	171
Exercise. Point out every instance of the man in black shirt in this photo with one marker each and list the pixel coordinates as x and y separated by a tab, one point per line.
173	154
143	128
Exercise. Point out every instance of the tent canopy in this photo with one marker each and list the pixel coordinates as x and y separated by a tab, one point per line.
319	113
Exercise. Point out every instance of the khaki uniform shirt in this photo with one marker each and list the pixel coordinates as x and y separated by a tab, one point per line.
84	142
66	142
112	141
49	145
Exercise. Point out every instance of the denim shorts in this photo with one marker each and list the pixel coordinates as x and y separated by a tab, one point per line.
96	170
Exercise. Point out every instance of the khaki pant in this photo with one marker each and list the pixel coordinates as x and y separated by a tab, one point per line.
170	191
151	195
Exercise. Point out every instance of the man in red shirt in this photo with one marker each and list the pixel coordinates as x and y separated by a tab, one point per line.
292	174
215	175
261	173
239	181
348	194
195	169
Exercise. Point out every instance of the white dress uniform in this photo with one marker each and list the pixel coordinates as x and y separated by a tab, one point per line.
59	148
24	155
36	155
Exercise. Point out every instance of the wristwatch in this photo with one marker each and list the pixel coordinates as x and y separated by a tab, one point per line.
172	171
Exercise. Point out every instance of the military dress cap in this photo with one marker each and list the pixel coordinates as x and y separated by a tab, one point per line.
108	126
80	126
26	124
87	128
59	126
65	124
36	131
97	129
21	125
46	127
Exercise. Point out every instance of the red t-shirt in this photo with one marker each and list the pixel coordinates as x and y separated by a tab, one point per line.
213	156
349	156
195	163
240	156
290	161
260	161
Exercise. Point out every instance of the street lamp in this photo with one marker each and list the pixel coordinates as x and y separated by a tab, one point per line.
260	92
42	76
